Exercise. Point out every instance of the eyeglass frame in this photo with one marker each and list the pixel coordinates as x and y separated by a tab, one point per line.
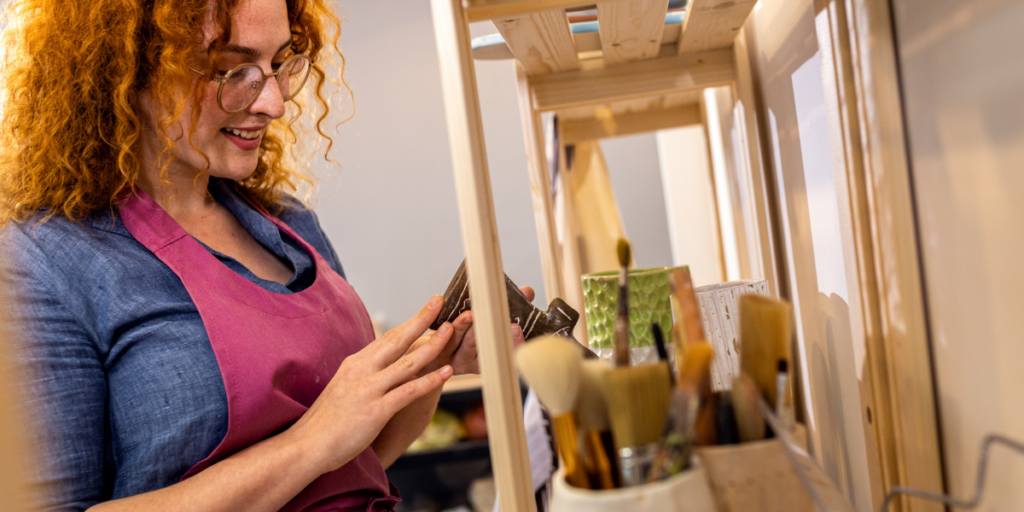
263	81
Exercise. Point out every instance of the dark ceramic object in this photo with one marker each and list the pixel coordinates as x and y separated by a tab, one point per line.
559	319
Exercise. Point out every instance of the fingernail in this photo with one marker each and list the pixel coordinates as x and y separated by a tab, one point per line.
517	332
446	371
445	329
435	301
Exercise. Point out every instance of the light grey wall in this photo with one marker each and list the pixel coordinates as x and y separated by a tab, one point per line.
636	178
390	210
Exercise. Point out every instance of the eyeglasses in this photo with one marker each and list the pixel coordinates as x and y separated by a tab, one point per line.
243	84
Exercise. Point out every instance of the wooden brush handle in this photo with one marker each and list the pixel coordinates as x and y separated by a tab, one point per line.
598	464
688	304
566	438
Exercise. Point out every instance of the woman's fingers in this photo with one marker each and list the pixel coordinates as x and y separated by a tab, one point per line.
400	397
530	294
396	342
413	361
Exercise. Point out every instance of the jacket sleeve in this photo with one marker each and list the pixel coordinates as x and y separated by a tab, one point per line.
64	388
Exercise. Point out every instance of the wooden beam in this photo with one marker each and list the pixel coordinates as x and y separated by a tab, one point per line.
761	189
541	41
510	459
713	24
654	77
540	190
631	30
577	130
901	360
482	10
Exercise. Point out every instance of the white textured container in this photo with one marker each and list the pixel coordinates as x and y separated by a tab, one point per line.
686	492
720	318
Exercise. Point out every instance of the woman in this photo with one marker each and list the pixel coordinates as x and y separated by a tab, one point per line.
190	350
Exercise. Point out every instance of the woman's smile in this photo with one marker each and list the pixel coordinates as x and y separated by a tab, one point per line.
247	138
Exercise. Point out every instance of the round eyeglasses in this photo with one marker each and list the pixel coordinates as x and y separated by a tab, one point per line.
243	84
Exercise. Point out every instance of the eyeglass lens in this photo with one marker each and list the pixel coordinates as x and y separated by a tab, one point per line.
241	87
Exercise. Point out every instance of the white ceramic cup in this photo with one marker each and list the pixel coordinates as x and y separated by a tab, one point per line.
686	492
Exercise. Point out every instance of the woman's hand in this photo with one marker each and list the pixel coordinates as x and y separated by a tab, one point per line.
461	351
371	386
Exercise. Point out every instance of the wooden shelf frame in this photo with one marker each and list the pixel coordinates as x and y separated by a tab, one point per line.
635	71
638	83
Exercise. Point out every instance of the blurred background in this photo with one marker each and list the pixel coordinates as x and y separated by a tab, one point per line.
390	209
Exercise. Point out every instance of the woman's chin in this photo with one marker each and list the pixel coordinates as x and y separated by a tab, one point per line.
234	172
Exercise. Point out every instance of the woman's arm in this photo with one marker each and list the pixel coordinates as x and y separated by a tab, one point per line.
371	386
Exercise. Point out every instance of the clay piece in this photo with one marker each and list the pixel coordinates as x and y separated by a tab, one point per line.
560	319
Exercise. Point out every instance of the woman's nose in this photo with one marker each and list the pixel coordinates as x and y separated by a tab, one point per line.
269	102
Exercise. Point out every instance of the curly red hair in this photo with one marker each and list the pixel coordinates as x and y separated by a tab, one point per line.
73	76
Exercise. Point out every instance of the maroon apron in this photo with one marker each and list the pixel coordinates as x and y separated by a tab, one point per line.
276	352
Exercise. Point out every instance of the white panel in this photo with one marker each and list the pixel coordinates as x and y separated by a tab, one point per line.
689	203
963	72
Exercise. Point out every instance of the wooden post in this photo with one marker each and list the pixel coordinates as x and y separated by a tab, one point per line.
540	189
510	459
572	268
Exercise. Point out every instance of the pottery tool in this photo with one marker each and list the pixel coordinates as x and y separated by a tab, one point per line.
622	316
638	400
783	407
687	328
560	318
746	407
593	415
764	340
551	366
659	343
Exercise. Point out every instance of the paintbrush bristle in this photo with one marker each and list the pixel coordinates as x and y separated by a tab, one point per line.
764	339
637	399
624	252
695	370
591	408
551	366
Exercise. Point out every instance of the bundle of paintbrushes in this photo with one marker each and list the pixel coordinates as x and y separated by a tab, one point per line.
624	425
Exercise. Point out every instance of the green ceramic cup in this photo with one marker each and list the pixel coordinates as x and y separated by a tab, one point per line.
649	302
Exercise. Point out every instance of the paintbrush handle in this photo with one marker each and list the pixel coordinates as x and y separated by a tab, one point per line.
566	438
598	464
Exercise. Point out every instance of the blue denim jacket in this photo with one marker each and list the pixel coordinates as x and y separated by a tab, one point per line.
122	381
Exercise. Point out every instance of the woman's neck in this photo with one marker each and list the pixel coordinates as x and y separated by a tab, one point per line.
182	193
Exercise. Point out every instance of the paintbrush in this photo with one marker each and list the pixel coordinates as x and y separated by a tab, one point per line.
659	344
746	404
688	328
593	415
638	400
764	340
551	366
624	252
677	439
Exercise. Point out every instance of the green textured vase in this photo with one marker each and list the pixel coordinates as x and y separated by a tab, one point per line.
649	302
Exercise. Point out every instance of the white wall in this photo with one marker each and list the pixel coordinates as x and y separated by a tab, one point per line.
962	77
689	197
390	211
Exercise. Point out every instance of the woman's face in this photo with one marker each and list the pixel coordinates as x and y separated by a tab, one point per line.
259	34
